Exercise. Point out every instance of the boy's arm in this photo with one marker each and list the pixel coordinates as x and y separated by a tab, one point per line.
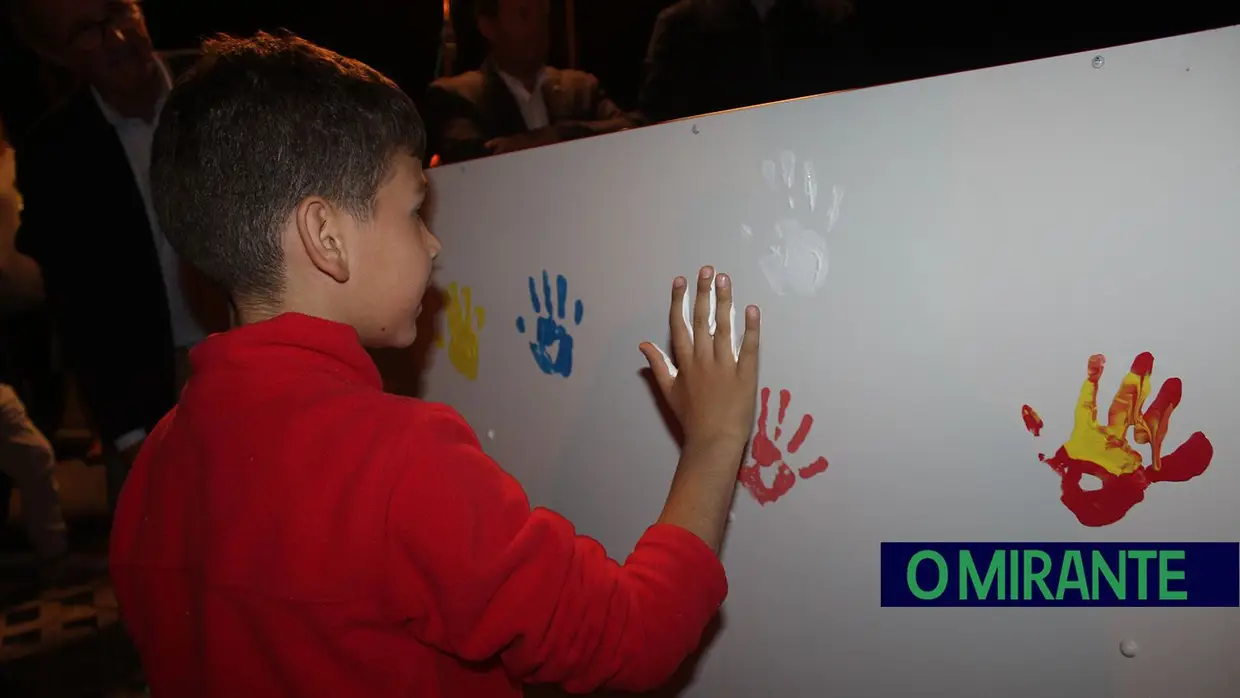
475	573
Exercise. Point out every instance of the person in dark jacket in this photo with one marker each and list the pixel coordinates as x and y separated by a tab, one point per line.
515	101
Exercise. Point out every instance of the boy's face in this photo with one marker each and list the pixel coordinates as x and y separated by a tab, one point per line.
391	263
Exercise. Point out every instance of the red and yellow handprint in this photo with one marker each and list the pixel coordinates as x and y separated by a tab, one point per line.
1103	450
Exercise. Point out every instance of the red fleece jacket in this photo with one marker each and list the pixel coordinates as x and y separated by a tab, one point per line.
289	529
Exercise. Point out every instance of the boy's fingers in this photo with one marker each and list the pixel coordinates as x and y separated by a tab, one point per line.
660	366
701	314
747	364
682	345
723	318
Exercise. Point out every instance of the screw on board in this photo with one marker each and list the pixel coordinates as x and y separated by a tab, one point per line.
1099	61
694	129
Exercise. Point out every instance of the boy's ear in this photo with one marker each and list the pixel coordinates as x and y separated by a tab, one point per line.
323	231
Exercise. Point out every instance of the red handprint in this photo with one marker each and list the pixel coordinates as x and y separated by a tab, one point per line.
766	454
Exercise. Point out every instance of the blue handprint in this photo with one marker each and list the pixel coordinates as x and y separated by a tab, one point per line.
550	334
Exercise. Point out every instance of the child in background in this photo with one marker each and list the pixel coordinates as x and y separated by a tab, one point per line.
289	529
26	456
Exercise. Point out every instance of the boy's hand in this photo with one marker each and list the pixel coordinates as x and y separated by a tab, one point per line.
714	391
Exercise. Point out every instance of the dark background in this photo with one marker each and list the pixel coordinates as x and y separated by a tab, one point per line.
906	39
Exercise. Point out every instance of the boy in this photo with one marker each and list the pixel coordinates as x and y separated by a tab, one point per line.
291	530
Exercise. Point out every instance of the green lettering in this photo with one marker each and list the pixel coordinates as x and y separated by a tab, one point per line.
1014	575
1098	563
1072	562
914	587
1165	575
1143	557
969	575
1038	577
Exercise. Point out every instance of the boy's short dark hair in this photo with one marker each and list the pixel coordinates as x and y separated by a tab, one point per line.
255	127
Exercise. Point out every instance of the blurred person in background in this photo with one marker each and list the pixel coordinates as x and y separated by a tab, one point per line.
515	101
26	456
29	356
126	309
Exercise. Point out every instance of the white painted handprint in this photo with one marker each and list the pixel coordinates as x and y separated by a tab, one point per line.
794	254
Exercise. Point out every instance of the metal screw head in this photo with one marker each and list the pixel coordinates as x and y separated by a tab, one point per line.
1099	61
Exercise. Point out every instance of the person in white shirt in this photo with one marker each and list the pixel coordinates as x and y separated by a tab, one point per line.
126	309
515	100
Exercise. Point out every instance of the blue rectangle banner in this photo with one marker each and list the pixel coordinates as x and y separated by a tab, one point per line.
1061	574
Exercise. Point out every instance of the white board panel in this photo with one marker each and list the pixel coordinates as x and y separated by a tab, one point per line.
984	234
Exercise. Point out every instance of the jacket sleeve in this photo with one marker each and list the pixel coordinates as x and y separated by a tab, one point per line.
598	115
475	573
455	133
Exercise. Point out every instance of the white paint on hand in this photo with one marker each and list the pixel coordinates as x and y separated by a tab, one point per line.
687	317
737	334
671	367
793	255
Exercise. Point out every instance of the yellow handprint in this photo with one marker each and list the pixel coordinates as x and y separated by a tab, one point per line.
462	335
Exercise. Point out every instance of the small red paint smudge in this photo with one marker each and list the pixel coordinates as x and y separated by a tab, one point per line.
785	397
1157	418
1097	362
1032	421
763	449
1186	462
813	468
798	437
1143	365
